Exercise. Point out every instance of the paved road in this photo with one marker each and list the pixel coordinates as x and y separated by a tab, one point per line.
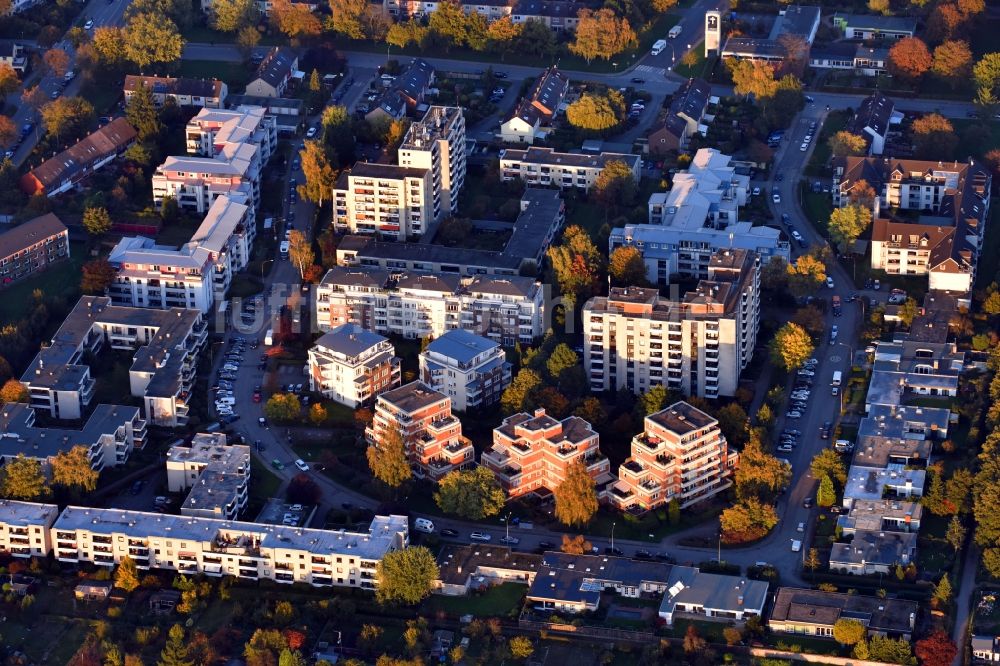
963	601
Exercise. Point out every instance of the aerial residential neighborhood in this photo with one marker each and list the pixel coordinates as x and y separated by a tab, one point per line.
525	332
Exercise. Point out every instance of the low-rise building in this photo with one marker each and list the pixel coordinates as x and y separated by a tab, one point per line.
543	166
62	172
274	73
214	473
985	649
874	26
683	118
872	121
12	53
251	551
532	117
109	435
206	93
575	583
24	528
463	568
850	56
881	515
914	367
405	92
815	612
432	437
798	23
532	452
873	483
870	553
166	345
352	365
31	247
288	112
708	596
680	454
697	344
471	370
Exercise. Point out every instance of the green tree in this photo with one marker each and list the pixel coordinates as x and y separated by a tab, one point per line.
387	458
520	647
68	118
576	263
405	576
283	407
615	185
908	311
576	496
826	495
955	536
597	111
791	347
142	114
319	174
72	469
96	276
404	34
653	400
536	39
829	463
338	133
674	511
942	591
23	479
317	414
501	33
516	397
150	39
733	422
474	494
561	359
986	72
881	648
345	18
601	34
127	574
247	38
759	474
847	224
627	267
991	305
175	652
109	45
232	15
845	143
96	220
449	22
849	632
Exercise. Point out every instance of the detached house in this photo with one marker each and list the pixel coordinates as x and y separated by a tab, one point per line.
274	73
683	119
533	115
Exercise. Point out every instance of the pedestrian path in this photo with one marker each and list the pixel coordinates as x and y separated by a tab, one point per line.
648	69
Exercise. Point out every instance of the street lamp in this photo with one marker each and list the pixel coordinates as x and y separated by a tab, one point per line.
507	525
266	261
612	538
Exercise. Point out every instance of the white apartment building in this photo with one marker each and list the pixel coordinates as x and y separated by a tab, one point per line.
109	435
697	344
471	370
166	344
212	129
437	143
543	166
352	365
215	473
251	551
398	202
696	218
505	309
24	528
194	276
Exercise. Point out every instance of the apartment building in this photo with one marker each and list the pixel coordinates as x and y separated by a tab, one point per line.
24	528
799	21
953	204
680	454
352	365
288	112
437	143
166	345
532	117
697	344
205	93
109	434
62	172
531	453
913	367
695	219
471	370
214	473
198	274
251	551
713	597
432	437
211	130
544	166
872	121
504	309
31	247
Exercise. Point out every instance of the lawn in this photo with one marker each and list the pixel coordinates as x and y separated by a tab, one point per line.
61	280
973	142
103	97
816	205
236	74
264	483
989	258
498	601
696	68
819	161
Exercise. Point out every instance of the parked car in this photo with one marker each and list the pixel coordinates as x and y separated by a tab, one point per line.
277	464
302	465
510	540
449	532
480	536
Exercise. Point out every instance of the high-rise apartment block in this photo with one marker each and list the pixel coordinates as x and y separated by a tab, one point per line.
352	365
697	344
214	473
471	370
437	143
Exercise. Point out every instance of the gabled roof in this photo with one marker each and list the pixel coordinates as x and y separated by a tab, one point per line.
277	66
29	233
169	85
108	140
349	340
873	115
544	99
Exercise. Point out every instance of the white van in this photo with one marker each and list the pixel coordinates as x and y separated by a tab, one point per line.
837	376
423	525
796	545
658	46
283	249
674	32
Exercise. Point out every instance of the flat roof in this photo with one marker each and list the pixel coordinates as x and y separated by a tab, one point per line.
349	340
793	604
461	345
19	434
26	514
456	562
689	586
581	578
681	418
412	397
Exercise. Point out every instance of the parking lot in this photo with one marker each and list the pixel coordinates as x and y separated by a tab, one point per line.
279	512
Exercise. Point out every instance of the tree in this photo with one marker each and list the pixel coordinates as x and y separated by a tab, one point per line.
934	136
474	494
811	318
300	251
561	359
752	78
387	458
955	536
23	479
151	39
576	496
127	574
9	82
826	495
829	463
627	267
759	474
317	414
846	143
516	396
501	33
345	17
748	520
805	275
890	651
942	591
68	118
96	276
13	391
109	45
597	112
812	561
338	133
601	34
96	220
319	174
520	647
693	643
791	347
615	185
175	652
8	131
450	23
247	39
909	58
908	311
369	637
56	61
283	407
849	632
294	19
142	114
302	489
879	6
936	650
232	15
577	545
986	72
652	400
576	262
72	469
536	39
405	576
404	34
943	22
733	422
847	224
291	658
953	62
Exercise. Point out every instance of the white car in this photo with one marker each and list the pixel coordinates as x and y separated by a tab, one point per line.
311	132
756	191
806	373
785	448
89	24
796	235
794	415
480	536
295	507
801	527
511	540
829	282
804	147
835	390
776	198
301	464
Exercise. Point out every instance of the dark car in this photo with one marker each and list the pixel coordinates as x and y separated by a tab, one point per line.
449	532
807	503
638	80
617	552
500	75
824	432
643	555
546	545
137	487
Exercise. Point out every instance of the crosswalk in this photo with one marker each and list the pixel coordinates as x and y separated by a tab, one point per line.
649	69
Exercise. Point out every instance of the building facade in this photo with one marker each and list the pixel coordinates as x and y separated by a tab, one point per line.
471	370
437	143
543	166
31	247
352	365
205	93
62	172
24	528
214	473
